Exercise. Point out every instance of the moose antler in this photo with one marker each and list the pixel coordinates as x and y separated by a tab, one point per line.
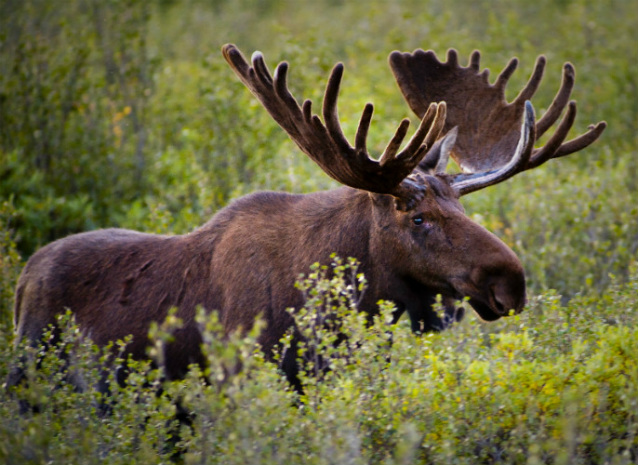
488	126
326	144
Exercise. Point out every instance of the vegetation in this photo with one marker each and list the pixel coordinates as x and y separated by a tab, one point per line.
123	113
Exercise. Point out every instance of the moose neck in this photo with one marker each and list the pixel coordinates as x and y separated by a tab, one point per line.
355	223
347	222
336	221
296	231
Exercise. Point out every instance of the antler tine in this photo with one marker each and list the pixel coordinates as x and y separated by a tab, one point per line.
488	126
261	70
560	100
582	141
360	140
532	84
506	74
555	147
475	61
281	86
330	113
428	131
390	152
423	139
326	144
554	142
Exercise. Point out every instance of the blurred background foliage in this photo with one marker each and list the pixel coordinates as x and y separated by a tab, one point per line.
123	113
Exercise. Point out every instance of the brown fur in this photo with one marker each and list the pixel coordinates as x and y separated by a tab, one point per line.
244	261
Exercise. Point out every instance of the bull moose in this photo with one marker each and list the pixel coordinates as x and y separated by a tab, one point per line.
399	215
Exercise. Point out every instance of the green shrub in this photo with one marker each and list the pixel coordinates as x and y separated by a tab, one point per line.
556	384
75	81
10	265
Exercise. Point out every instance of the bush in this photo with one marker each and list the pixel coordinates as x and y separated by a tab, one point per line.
75	82
557	384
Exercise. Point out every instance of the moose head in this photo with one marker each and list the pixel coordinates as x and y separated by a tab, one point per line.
426	240
399	214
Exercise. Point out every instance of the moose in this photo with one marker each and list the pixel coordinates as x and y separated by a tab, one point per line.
398	214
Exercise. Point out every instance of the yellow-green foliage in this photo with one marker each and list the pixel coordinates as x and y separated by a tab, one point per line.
123	113
557	384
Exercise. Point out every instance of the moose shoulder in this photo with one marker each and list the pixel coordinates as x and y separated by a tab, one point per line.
400	216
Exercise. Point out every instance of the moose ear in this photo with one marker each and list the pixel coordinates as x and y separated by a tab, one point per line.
418	188
435	161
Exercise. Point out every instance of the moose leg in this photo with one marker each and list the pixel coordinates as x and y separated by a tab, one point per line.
424	319
312	360
32	357
452	314
290	366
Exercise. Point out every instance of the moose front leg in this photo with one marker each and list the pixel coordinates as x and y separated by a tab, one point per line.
423	317
452	313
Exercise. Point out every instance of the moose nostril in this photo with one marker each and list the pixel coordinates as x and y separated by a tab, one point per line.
496	298
504	297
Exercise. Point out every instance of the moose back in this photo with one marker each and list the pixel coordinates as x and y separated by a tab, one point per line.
399	215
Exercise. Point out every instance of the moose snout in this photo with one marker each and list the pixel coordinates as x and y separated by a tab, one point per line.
507	293
495	291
